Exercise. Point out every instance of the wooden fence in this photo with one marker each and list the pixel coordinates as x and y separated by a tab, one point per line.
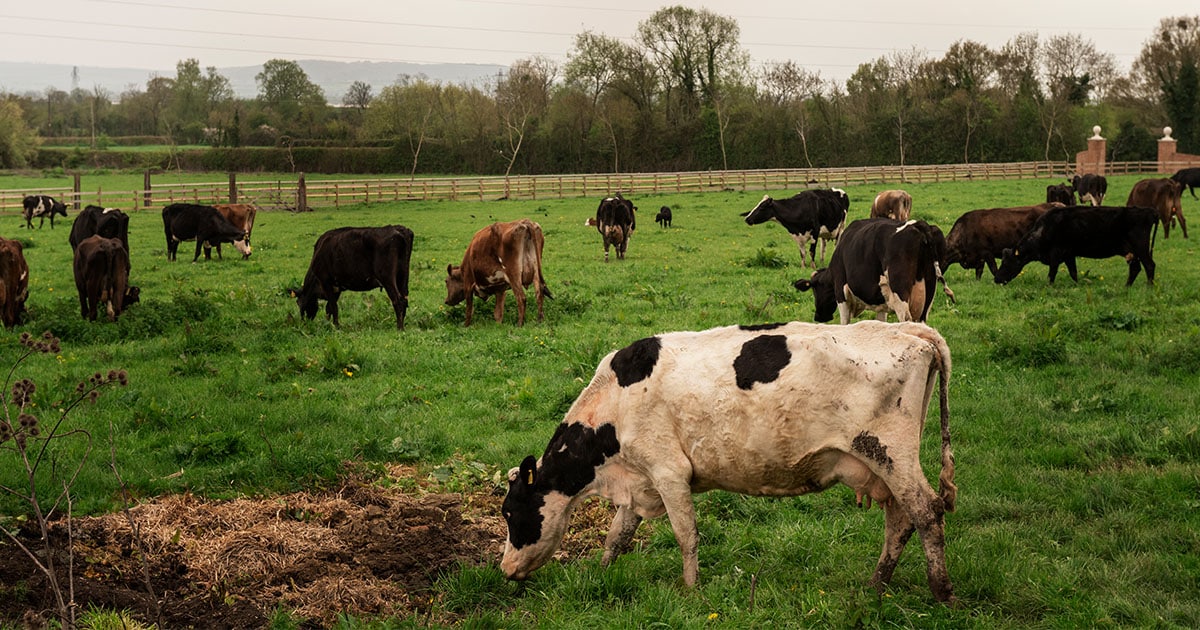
303	193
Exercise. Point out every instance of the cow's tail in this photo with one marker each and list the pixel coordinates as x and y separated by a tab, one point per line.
946	488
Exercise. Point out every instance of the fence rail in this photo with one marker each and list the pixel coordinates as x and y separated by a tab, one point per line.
302	192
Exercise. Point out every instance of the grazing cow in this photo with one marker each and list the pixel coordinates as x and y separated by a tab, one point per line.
204	224
894	204
1188	178
1090	188
616	219
1062	234
107	222
102	277
241	215
1060	193
663	218
980	236
808	216
41	206
14	282
357	259
500	257
1164	196
688	412
881	265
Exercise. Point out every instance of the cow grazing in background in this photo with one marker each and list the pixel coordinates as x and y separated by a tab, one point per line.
357	259
880	265
893	204
102	277
1188	178
500	257
241	215
14	282
1090	188
39	207
663	218
616	219
1165	197
1062	234
203	224
979	237
95	220
1060	193
688	412
808	216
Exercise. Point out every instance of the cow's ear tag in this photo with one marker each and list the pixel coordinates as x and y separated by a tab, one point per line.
529	479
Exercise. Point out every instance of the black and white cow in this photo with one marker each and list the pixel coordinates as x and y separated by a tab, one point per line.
1062	234
1060	193
808	216
41	206
204	224
881	265
95	220
1090	188
616	219
688	412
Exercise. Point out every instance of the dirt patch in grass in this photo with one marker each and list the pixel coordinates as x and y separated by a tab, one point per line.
361	549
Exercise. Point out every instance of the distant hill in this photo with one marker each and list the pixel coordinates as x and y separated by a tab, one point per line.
334	77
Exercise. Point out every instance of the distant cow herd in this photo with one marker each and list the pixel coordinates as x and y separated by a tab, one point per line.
651	428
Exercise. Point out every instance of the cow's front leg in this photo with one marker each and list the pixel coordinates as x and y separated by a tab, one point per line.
498	315
1071	269
199	246
331	308
620	534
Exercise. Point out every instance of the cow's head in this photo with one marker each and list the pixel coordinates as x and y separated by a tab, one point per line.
454	285
133	295
761	213
821	284
1012	261
537	520
306	297
243	245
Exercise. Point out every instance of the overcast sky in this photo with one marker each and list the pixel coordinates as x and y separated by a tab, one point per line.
830	37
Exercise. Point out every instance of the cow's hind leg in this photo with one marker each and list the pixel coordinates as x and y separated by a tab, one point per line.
620	534
898	529
926	512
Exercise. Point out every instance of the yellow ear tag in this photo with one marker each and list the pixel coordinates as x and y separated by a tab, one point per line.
1016	252
530	482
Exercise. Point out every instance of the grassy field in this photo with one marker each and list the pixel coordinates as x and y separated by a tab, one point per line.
1073	409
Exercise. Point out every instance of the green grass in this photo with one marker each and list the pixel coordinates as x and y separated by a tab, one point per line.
1073	410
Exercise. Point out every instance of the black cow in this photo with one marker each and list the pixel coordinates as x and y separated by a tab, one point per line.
357	259
616	219
1188	178
1090	188
189	221
102	277
663	218
41	206
808	216
1062	234
1061	193
106	222
881	265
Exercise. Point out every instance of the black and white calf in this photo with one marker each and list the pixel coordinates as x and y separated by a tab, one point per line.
732	409
41	206
808	216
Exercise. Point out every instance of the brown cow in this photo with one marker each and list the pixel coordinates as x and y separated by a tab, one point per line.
1164	196
893	204
241	215
102	277
14	282
980	236
501	256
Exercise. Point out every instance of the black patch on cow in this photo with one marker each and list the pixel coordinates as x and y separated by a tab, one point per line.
636	362
761	360
568	466
760	327
873	449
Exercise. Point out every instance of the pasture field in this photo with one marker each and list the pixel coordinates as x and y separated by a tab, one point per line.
1073	411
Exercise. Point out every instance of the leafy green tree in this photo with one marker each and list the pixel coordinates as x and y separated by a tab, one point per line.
409	110
296	103
1169	67
17	141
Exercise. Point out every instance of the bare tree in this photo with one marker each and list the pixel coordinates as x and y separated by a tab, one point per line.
522	95
792	87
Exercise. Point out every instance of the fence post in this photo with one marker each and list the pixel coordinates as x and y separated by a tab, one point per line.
147	196
301	195
233	191
77	190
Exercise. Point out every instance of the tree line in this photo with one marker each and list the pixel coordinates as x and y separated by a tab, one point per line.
682	96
